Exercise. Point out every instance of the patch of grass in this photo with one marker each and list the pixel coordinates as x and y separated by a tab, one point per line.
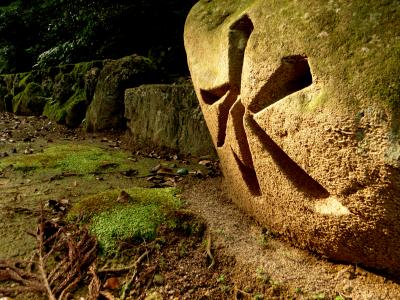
138	219
92	205
69	157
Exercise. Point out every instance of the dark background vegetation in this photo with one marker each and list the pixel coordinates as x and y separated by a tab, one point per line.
42	33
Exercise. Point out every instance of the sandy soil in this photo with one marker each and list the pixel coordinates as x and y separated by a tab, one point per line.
255	249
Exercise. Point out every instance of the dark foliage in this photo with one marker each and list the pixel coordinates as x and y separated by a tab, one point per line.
50	32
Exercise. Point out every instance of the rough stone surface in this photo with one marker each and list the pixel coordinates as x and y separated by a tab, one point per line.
302	102
167	116
107	107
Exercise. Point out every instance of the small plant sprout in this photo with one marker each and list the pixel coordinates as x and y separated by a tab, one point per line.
264	238
319	296
258	296
261	275
221	278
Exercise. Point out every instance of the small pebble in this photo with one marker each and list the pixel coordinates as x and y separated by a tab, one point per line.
182	171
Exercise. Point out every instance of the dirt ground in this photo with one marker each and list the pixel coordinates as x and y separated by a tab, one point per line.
228	256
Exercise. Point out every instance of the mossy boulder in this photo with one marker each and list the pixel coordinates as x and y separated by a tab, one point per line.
72	93
302	99
106	111
30	101
5	92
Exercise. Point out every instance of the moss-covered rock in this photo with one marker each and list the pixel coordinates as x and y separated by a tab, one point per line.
30	101
6	83
106	111
72	92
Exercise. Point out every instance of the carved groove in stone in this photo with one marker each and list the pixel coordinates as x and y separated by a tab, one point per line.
292	75
237	116
300	179
249	176
239	34
211	96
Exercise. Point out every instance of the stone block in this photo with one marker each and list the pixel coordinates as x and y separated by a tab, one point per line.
167	116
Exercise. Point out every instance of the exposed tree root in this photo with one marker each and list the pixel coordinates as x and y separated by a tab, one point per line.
74	245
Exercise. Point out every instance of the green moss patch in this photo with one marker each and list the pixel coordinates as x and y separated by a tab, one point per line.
94	204
70	158
137	219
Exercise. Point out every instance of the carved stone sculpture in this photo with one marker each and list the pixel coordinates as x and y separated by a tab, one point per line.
302	102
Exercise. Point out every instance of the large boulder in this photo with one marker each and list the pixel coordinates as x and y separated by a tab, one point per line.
167	116
302	102
106	110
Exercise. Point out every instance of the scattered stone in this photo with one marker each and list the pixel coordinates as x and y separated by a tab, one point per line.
64	202
182	171
112	283
158	279
164	170
155	169
56	206
154	296
28	151
123	197
199	174
130	173
205	162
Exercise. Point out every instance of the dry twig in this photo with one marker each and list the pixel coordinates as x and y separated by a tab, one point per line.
95	284
208	250
129	282
41	262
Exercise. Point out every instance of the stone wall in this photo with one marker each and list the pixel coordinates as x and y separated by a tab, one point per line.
167	116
